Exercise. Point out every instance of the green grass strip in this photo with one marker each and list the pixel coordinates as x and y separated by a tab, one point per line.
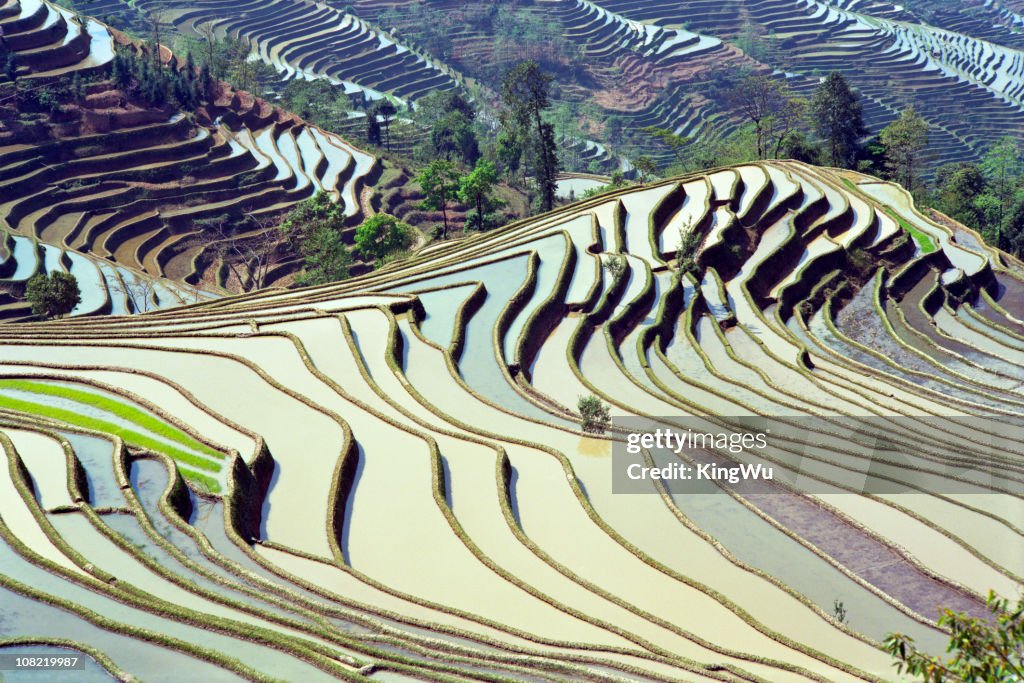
129	436
923	239
205	482
122	410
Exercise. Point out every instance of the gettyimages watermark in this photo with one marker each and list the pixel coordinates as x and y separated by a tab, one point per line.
821	455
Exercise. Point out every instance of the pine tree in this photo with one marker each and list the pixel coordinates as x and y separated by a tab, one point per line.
838	119
205	83
386	110
524	92
372	128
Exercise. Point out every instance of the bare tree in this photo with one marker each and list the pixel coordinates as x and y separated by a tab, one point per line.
140	291
208	32
771	106
249	257
155	19
789	117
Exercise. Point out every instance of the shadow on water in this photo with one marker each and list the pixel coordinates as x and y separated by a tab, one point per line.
446	471
513	498
346	526
96	456
265	510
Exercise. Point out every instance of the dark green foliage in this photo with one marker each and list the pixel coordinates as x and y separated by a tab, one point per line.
957	187
49	99
325	256
373	135
386	110
905	140
686	252
313	229
988	197
1002	167
381	235
476	189
155	83
524	95
595	416
440	103
317	101
8	63
646	167
306	216
801	148
53	296
440	183
1011	234
616	266
453	137
981	650
546	166
613	126
838	119
453	130
508	149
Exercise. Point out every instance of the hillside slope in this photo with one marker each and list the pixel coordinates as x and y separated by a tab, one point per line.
645	63
90	166
405	491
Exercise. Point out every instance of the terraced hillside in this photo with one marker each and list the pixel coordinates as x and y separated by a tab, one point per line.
657	63
894	63
404	490
303	40
647	63
159	191
105	287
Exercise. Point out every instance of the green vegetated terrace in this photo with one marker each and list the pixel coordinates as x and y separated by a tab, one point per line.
924	241
191	454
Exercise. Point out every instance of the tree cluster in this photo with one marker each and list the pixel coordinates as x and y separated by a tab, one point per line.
987	196
313	230
452	130
443	184
981	650
8	63
826	129
595	415
158	84
54	295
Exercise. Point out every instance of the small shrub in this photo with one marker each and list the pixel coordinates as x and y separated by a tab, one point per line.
686	253
839	610
616	266
595	416
381	234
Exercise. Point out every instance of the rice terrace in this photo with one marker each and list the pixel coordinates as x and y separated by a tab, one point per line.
519	340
